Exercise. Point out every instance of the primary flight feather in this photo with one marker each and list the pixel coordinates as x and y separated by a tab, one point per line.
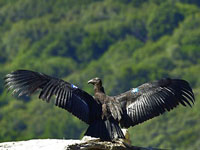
104	114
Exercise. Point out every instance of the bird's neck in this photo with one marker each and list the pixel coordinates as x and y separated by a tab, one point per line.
98	89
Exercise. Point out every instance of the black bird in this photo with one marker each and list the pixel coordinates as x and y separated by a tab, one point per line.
104	114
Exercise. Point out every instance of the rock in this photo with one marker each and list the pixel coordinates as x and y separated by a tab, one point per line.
57	144
40	144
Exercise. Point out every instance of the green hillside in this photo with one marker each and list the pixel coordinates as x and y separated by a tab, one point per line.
125	42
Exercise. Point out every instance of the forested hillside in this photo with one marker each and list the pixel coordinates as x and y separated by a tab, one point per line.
125	42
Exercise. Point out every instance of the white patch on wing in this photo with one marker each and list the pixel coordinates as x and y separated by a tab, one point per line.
130	109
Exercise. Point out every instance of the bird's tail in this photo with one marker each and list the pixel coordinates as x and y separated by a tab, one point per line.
106	130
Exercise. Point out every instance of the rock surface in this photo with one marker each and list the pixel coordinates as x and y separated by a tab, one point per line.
58	144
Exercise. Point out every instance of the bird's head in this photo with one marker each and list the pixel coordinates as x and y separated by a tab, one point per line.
95	81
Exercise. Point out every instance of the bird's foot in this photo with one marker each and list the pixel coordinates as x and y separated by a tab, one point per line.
89	138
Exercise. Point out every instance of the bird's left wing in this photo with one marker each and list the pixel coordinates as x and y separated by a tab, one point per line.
152	99
68	96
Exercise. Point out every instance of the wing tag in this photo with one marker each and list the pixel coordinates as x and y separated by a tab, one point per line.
74	86
135	90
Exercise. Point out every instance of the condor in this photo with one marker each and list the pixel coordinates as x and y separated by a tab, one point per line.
104	114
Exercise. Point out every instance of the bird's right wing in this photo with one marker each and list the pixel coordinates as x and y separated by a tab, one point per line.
68	96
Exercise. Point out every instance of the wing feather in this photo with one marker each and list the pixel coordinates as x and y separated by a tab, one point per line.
50	92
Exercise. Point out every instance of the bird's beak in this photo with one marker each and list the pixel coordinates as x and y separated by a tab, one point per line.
91	81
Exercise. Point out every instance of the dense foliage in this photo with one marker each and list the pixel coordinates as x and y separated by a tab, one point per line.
126	43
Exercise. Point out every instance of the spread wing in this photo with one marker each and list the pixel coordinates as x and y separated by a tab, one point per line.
68	96
153	99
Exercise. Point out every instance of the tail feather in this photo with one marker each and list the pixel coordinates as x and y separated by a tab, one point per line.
106	130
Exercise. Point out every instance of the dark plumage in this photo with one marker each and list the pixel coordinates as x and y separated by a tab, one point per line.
104	114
